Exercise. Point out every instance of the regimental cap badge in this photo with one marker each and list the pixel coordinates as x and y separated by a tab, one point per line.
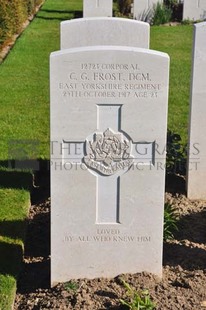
108	152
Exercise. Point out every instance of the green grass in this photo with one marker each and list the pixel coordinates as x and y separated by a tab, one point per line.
14	205
7	291
24	79
24	76
177	42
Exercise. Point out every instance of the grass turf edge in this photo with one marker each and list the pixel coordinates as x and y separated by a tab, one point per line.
14	209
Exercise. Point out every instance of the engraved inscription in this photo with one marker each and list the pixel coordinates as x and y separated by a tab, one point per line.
93	80
107	238
107	231
107	235
108	152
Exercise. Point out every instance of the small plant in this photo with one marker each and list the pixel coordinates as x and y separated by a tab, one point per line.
170	222
71	286
137	300
146	16
186	22
162	14
176	8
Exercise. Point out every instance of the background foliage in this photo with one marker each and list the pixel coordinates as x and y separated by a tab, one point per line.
124	6
13	13
161	13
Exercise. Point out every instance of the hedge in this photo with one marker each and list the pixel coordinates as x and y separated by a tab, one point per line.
13	13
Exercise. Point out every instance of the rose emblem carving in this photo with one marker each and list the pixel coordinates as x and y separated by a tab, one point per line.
108	152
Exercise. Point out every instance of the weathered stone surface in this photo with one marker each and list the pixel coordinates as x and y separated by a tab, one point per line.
143	9
194	9
197	140
104	31
108	132
97	8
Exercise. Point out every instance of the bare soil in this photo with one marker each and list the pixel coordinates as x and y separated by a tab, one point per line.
183	285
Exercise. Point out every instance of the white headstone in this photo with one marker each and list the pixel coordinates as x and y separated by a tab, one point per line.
97	8
144	8
194	9
132	9
104	31
196	188
108	115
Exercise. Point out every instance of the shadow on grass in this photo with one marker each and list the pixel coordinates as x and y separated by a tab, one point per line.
19	174
59	15
15	179
10	258
60	11
13	229
11	254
